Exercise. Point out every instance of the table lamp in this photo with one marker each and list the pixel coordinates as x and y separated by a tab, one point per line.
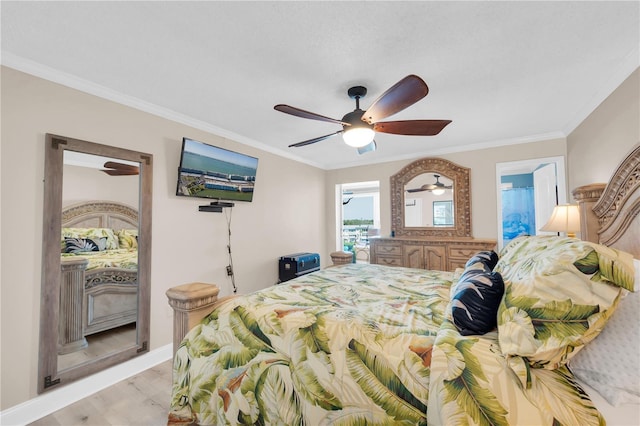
565	218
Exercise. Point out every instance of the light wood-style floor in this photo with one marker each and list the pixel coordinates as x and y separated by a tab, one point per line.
100	344
140	400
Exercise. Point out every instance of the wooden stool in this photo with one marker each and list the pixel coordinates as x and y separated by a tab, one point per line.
341	257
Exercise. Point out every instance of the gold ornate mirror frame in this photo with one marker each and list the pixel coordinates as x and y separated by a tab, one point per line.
461	198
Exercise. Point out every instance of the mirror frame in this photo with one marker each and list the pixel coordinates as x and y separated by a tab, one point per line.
48	375
461	198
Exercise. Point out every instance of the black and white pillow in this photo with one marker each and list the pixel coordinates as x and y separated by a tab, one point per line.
475	300
487	258
83	245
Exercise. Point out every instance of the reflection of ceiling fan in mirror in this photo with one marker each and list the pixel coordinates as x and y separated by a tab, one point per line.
359	127
436	188
113	168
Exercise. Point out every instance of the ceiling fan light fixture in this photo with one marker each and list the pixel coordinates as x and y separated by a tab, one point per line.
359	127
358	137
438	191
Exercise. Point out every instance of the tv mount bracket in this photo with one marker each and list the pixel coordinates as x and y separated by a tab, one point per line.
215	206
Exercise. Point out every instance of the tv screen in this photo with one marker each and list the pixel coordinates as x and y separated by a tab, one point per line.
207	171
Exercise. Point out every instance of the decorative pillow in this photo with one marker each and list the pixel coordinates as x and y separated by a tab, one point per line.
475	300
127	238
559	294
93	233
488	258
609	364
81	245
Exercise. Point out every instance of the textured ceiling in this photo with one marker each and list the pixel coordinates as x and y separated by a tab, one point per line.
504	72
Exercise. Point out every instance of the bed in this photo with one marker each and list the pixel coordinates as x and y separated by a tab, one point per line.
516	337
99	259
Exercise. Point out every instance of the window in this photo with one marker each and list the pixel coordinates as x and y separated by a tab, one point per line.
443	213
357	217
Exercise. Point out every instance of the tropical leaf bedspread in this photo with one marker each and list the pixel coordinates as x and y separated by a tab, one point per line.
116	258
359	345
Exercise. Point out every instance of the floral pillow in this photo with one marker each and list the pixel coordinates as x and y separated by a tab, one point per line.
487	258
83	245
127	238
559	293
92	233
475	298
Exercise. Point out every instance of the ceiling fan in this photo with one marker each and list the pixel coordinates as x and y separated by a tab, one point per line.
113	168
359	127
437	188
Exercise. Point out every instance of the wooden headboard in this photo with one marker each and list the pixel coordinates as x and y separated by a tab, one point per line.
610	214
100	214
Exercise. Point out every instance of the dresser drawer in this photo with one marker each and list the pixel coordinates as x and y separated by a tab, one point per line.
388	250
462	252
456	263
426	253
389	261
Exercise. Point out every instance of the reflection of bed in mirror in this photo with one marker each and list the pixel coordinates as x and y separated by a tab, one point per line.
99	286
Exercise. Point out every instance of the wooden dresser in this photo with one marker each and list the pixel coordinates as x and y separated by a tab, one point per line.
442	254
422	245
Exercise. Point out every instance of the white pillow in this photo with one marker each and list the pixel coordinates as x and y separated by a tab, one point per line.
611	363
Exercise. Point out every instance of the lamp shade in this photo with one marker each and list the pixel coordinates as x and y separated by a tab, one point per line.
358	137
565	218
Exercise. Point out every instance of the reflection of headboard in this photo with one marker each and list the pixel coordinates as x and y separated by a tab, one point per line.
105	297
611	213
100	214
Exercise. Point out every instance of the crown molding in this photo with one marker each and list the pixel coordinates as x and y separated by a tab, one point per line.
74	82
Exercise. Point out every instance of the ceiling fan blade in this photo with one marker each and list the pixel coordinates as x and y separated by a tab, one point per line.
426	187
306	114
314	140
412	127
121	166
404	93
367	148
120	172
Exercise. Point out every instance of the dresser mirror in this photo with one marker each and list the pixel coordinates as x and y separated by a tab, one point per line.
428	202
95	292
430	197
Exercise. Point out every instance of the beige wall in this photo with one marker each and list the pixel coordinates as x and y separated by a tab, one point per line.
286	216
82	183
293	209
483	182
592	153
600	142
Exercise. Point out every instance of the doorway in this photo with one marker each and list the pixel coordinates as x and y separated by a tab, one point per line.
528	191
358	217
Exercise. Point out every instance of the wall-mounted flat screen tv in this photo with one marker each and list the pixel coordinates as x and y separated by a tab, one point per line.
207	171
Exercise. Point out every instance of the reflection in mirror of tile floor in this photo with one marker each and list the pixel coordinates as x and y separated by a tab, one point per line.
139	400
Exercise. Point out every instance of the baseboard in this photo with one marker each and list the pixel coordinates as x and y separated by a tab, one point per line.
45	404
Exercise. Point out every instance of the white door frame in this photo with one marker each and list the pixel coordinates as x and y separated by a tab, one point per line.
528	166
339	208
